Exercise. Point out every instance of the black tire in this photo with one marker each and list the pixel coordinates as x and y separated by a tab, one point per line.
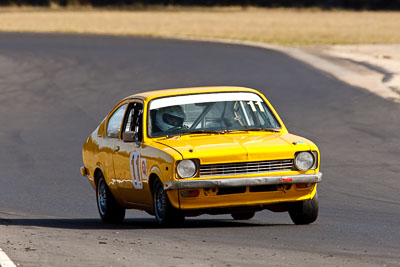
304	212
165	213
243	215
110	211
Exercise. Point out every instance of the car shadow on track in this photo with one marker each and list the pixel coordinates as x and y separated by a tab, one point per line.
129	224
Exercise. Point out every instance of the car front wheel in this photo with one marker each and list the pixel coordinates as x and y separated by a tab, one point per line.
110	211
305	212
164	212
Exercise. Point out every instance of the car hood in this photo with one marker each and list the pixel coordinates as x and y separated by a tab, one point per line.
224	148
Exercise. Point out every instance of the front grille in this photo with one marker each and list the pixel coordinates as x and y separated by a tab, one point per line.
246	167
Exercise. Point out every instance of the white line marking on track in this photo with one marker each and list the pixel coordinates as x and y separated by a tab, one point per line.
5	261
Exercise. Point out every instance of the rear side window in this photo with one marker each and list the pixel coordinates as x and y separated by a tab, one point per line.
115	122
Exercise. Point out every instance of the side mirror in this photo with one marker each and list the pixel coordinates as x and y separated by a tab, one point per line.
129	137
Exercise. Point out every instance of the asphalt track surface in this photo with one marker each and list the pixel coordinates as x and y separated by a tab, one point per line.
55	89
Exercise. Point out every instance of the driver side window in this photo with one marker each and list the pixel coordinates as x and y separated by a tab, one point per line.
133	119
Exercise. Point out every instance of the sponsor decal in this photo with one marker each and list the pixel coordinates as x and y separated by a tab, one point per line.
136	173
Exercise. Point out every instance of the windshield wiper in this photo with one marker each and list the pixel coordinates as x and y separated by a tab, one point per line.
194	132
264	129
203	131
257	129
223	131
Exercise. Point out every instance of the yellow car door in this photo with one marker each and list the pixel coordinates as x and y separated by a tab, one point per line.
108	144
130	167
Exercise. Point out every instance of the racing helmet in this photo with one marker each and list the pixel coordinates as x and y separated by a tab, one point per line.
170	117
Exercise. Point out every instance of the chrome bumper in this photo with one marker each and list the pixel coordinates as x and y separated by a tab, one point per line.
253	181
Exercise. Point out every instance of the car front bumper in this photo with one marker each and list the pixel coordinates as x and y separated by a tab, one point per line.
252	181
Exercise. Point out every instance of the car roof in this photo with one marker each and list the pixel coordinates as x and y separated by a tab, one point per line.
149	95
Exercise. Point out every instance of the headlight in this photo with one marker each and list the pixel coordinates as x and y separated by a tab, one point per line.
304	161
186	168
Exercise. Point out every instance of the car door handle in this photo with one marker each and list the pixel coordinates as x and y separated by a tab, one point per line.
116	149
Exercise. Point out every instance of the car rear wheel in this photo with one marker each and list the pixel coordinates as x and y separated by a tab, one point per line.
305	212
164	212
110	211
243	215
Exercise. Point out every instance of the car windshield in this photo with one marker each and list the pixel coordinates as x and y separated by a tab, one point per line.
210	113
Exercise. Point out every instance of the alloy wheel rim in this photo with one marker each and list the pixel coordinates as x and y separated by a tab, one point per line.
160	202
102	197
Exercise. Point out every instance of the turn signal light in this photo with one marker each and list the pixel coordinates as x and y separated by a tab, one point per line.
84	171
190	193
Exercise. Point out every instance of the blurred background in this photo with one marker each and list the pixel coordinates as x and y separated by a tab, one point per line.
326	4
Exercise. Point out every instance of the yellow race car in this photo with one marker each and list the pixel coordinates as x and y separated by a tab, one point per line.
209	150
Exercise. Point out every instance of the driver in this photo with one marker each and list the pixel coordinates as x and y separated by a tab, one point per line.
171	117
